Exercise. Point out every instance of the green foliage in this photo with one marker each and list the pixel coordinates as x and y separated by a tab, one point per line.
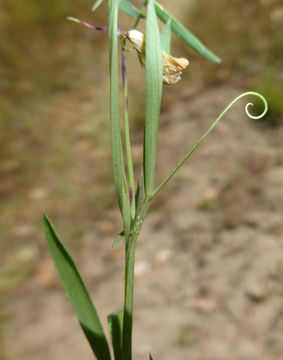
96	4
180	30
139	195
117	153
77	292
115	324
153	77
118	239
133	209
166	36
129	9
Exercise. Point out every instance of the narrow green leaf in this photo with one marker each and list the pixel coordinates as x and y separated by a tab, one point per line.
117	240
139	195
117	155
126	207
185	34
166	37
153	74
77	292
120	181
115	324
96	4
129	9
179	29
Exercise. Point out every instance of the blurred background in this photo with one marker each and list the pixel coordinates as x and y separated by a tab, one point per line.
211	278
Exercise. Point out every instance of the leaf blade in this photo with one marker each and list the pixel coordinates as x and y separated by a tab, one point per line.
115	324
188	37
139	195
120	182
117	156
96	4
153	74
179	29
117	240
166	36
77	292
130	9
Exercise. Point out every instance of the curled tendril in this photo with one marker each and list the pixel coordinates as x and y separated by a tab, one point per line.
251	104
248	105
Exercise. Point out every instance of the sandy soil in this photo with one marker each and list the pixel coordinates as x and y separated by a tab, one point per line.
209	261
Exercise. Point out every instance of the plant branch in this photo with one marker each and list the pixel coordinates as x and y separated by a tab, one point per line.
185	158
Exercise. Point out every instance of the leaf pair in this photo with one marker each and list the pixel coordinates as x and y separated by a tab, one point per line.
154	71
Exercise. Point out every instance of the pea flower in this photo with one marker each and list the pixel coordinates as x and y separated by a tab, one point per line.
172	67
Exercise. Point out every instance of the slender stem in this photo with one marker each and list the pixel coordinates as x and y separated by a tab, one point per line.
129	282
164	182
127	132
138	19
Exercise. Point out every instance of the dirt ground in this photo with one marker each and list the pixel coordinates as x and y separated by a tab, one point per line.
209	261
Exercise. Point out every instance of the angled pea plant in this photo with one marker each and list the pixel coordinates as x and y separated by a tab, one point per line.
153	51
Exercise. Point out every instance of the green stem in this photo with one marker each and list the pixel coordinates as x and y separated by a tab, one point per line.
129	282
138	19
185	158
